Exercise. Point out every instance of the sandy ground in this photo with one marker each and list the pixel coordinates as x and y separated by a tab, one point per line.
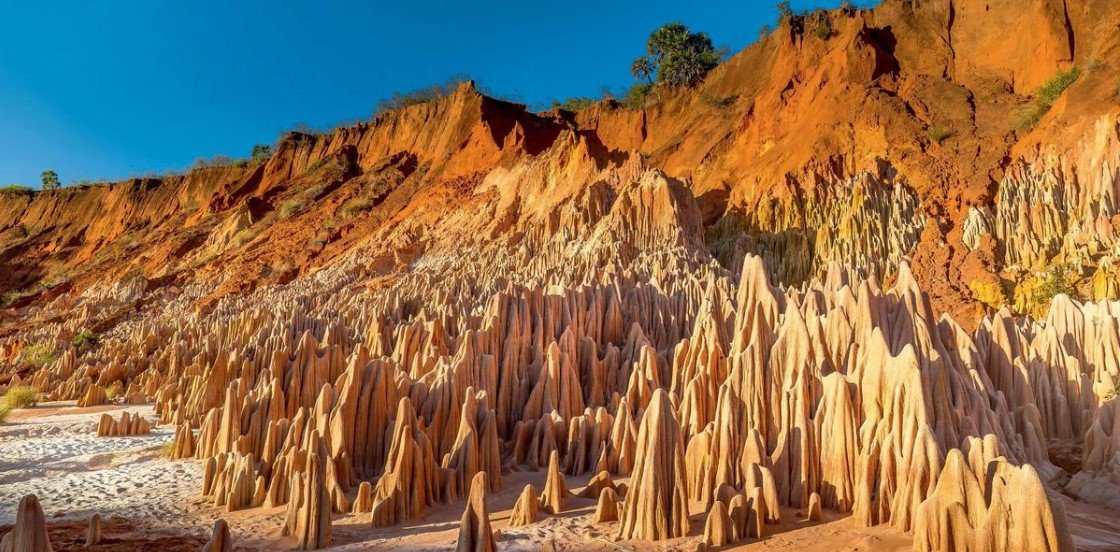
52	451
570	531
150	503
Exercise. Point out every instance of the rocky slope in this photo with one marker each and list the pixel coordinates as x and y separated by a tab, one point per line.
364	322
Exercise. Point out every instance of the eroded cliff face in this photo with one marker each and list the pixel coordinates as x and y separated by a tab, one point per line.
742	285
819	148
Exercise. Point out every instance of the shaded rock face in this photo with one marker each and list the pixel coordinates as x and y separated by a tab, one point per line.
594	293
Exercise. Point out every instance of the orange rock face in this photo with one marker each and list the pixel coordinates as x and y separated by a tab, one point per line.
720	316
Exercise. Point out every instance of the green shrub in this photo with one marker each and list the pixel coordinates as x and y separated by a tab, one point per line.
574	104
823	27
1058	280
1031	114
50	180
21	396
356	206
15	188
785	11
1112	394
244	236
677	56
83	337
1052	90
938	134
216	161
260	153
636	96
114	390
290	207
718	102
38	355
420	96
315	166
5	409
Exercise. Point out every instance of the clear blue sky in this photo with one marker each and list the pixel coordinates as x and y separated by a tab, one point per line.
101	89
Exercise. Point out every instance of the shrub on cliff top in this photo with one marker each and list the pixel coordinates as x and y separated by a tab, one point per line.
574	104
677	56
260	152
636	96
216	161
822	27
50	180
420	96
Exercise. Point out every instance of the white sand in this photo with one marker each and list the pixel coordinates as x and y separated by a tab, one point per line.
59	458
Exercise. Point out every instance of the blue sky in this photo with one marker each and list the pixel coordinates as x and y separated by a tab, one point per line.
102	89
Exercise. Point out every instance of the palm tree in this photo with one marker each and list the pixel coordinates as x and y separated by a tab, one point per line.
643	68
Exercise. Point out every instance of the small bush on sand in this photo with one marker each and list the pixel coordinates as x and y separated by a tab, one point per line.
5	409
114	391
21	396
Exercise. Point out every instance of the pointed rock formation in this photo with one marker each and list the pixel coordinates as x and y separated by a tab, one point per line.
656	505
555	487
526	509
607	507
718	530
363	502
475	534
813	513
93	530
129	424
220	538
308	517
29	534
